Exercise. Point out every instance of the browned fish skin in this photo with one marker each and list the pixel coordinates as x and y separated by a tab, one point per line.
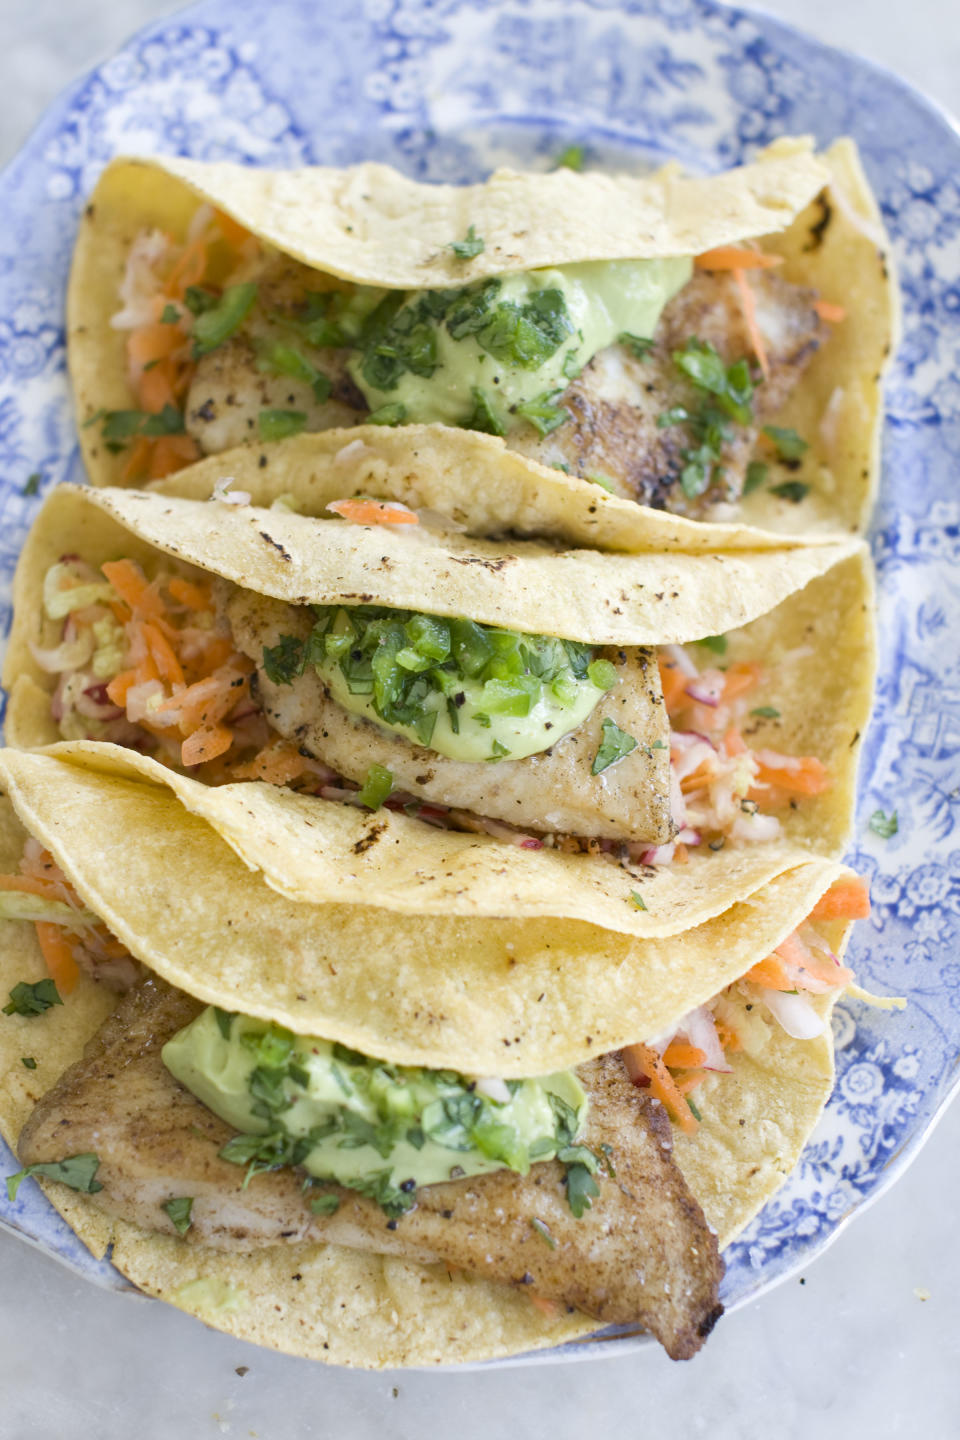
643	1254
618	399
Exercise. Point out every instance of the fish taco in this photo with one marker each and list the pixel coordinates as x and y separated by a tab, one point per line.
512	691
409	1186
710	346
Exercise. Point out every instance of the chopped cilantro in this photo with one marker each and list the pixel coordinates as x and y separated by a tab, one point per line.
570	159
543	1232
28	1062
603	673
216	323
637	900
716	643
122	426
179	1211
728	393
603	481
543	415
469	247
77	1171
284	661
581	1188
282	359
498	751
325	1204
280	424
224	1021
376	787
766	712
755	477
394	414
484	417
638	345
27	999
198	299
792	490
883	824
616	744
789	445
32	484
170	316
693	1109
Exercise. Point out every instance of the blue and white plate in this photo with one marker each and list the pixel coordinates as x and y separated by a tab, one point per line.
445	89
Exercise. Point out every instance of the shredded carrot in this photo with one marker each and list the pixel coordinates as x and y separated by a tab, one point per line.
728	1037
58	954
130	583
820	967
734	743
550	1308
673	682
161	652
833	314
679	1056
235	234
847	899
153	342
680	854
31	885
690	1081
195	597
206	744
733	257
696	779
138	459
374	512
796	775
189	270
156	389
740	677
275	764
172	452
749	306
643	1061
771	973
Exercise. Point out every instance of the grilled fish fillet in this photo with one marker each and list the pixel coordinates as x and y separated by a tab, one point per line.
642	1254
551	791
614	405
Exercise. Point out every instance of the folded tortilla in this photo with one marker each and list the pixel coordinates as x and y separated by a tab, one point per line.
372	225
140	861
824	610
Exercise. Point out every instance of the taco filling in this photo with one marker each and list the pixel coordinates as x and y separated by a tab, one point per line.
654	378
537	740
236	1133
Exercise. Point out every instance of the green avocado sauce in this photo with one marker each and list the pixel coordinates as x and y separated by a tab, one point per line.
477	356
468	691
365	1124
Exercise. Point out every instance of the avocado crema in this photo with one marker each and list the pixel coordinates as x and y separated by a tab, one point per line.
490	355
378	1128
468	691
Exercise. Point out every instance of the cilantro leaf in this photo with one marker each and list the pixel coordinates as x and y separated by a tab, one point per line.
766	712
616	744
570	159
216	323
716	643
325	1204
792	490
31	485
582	1189
28	1062
170	316
376	787
280	424
756	476
179	1211
883	824
543	415
26	999
394	414
603	481
469	247
77	1171
789	445
638	345
543	1232
637	900
484	417
284	661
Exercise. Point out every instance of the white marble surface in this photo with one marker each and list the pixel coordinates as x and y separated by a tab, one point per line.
866	1344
